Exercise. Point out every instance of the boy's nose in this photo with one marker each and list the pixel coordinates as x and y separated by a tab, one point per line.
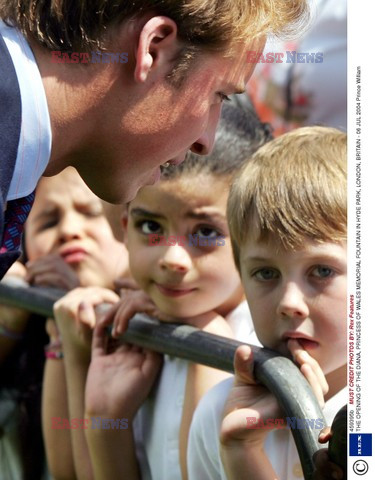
292	303
175	259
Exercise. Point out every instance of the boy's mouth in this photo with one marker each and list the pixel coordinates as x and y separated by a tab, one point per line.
171	291
306	342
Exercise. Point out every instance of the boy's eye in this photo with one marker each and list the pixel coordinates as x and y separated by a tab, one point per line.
149	226
266	274
321	271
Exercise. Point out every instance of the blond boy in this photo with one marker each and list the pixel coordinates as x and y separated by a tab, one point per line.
287	217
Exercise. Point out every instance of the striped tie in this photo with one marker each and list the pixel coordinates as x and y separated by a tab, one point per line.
14	218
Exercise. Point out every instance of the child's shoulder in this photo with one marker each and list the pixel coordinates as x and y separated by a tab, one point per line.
241	323
203	446
334	404
212	403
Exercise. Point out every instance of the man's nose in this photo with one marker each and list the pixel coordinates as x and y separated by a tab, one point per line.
292	303
205	143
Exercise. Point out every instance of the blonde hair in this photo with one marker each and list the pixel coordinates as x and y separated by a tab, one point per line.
292	188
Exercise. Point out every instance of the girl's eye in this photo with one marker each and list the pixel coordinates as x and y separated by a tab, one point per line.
266	274
48	224
93	212
321	271
90	209
149	226
207	232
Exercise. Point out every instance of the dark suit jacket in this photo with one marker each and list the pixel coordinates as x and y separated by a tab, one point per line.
10	127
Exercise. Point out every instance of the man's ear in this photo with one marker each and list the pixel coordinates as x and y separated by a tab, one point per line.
157	47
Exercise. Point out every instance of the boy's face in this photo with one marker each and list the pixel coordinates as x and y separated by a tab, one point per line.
298	294
67	219
184	280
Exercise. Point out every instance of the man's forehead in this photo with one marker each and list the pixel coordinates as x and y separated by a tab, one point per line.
239	70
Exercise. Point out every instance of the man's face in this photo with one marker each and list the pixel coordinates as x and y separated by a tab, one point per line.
146	125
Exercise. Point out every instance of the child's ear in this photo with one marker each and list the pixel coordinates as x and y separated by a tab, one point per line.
157	47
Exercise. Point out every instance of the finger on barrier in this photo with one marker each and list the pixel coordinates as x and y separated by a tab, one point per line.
277	373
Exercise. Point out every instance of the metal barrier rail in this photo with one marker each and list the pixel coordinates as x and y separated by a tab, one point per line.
276	372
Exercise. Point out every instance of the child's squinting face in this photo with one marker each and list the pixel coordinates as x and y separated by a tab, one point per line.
184	280
298	294
68	219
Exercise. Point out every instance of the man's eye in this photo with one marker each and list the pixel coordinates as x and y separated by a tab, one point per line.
321	271
265	274
149	226
223	97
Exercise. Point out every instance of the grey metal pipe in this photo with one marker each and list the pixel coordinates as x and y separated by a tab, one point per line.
276	372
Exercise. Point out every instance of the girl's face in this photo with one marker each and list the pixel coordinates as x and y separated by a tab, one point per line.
168	228
67	219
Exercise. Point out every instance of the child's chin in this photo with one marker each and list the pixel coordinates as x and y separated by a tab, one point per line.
178	315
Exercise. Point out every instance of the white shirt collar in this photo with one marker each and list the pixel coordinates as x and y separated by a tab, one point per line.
34	148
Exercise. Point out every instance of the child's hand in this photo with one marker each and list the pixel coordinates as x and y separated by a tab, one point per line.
76	317
15	319
120	377
52	271
125	284
249	399
310	369
132	302
325	469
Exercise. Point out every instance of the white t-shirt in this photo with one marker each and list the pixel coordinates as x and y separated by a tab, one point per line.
34	148
204	461
157	424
